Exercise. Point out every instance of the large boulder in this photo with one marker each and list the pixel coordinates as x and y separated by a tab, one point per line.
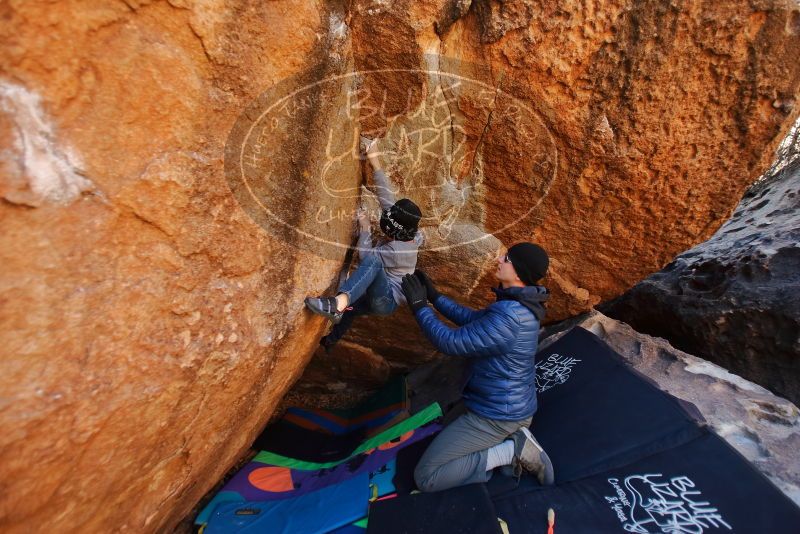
734	298
617	136
149	325
176	176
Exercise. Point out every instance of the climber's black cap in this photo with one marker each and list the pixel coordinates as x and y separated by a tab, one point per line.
530	262
401	220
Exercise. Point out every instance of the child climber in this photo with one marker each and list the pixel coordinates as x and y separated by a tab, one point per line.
375	286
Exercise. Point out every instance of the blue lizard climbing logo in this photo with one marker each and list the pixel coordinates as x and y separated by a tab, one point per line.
294	161
554	371
652	503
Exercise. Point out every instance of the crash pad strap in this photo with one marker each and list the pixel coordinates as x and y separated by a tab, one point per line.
425	416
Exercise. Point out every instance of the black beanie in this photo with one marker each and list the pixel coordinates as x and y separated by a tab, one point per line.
401	220
530	261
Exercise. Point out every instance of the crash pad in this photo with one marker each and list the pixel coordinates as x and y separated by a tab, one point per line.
698	487
466	509
316	512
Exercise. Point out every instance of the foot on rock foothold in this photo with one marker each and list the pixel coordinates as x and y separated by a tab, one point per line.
530	456
324	306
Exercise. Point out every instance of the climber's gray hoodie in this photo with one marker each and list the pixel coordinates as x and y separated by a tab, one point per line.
398	258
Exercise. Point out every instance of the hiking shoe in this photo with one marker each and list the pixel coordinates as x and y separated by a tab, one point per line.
324	306
530	456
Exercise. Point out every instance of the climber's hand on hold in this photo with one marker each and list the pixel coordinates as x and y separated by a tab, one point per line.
362	216
372	154
372	148
430	289
415	292
363	145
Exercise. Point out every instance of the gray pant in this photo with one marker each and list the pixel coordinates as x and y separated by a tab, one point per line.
457	456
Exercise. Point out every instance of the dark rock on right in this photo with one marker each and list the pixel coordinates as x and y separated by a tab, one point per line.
734	299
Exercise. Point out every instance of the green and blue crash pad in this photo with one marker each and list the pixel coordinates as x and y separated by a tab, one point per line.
271	477
393	433
258	481
379	484
320	511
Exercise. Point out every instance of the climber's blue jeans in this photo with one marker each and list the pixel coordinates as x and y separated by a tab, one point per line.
457	455
369	293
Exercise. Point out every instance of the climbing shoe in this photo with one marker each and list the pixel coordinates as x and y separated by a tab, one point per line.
530	456
325	306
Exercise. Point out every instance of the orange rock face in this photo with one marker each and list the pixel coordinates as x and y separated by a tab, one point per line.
616	135
162	221
149	325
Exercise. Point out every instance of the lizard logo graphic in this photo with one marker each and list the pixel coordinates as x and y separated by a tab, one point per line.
292	157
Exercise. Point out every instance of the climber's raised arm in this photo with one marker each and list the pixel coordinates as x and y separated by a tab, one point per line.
383	188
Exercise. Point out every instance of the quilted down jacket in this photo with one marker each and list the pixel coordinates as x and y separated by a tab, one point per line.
502	340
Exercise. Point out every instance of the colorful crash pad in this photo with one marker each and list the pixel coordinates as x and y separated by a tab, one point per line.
395	433
359	527
381	487
320	511
272	477
237	517
381	480
259	481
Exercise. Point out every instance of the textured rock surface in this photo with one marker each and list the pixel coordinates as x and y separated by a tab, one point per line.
734	299
339	379
149	324
616	134
764	428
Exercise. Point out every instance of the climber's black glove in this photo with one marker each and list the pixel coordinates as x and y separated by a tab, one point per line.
433	294
415	292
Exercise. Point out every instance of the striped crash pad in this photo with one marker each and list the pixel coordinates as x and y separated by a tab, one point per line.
267	484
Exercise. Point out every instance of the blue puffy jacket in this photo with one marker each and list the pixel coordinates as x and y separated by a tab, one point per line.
502	339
